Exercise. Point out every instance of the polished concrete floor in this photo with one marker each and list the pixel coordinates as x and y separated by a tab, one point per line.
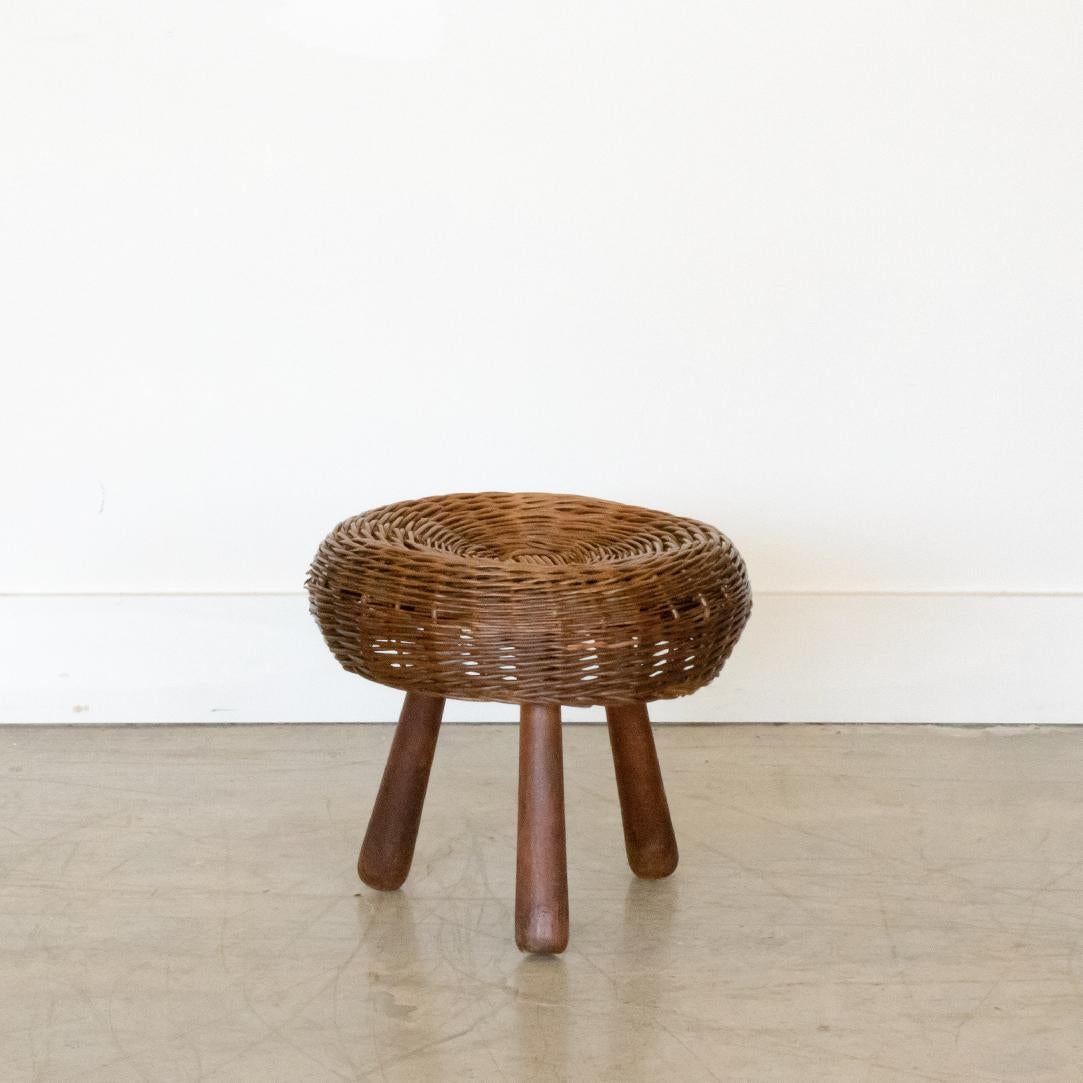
853	903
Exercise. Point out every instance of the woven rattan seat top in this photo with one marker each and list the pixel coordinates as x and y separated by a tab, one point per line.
530	598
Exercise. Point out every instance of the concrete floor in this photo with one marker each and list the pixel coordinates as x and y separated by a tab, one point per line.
853	903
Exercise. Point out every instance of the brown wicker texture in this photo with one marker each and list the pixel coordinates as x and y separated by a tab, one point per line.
530	598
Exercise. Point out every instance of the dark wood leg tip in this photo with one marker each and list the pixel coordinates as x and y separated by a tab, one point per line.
655	864
379	877
547	934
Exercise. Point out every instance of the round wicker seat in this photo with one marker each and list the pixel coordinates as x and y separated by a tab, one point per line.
530	598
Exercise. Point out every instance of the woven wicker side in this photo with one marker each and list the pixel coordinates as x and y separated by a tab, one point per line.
530	598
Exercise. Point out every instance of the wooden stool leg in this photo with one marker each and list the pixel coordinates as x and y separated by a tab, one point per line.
541	868
648	830
388	848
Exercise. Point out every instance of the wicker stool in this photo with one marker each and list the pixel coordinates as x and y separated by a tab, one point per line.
537	600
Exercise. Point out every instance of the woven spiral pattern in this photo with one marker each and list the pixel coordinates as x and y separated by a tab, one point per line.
530	598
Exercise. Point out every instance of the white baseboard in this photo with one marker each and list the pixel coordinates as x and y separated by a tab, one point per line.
804	658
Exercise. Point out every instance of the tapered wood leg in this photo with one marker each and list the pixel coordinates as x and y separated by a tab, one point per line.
648	830
388	848
541	866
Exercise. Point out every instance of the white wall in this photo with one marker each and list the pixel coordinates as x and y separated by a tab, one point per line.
812	272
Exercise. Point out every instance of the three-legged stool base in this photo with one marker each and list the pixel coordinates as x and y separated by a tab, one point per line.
541	870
